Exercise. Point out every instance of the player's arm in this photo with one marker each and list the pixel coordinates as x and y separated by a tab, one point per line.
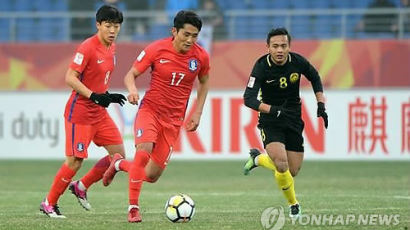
251	94
202	92
72	80
313	76
129	81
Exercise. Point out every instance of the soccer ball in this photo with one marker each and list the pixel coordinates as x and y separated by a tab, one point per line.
180	208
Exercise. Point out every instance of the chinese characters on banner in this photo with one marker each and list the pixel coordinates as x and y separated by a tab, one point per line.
367	125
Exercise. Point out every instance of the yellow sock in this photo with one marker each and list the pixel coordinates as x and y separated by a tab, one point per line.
265	161
285	182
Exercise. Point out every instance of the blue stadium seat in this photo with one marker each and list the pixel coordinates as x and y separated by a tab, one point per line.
352	22
326	27
341	4
158	31
279	4
24	30
23	5
260	4
60	5
238	4
321	4
301	27
277	21
362	4
5	30
241	27
300	4
42	5
259	27
6	5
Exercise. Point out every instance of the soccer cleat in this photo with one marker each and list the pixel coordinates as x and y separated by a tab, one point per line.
134	214
81	195
250	164
111	171
295	211
51	211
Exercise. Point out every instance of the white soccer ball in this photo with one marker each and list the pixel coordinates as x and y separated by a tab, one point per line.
180	208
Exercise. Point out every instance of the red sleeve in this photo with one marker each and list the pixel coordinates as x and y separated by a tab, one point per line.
204	64
145	59
81	58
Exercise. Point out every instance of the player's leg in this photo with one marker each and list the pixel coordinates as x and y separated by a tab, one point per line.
256	158
277	152
78	137
295	154
106	134
136	176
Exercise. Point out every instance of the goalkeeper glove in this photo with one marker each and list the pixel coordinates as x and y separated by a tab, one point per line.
101	99
321	112
117	98
277	110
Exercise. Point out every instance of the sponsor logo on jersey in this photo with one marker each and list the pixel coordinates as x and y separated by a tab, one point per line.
294	77
78	59
162	61
193	65
80	147
139	132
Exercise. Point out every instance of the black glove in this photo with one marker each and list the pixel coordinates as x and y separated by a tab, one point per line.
101	99
321	112
117	98
277	110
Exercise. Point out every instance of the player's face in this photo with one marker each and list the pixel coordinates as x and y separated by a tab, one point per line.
279	49
185	37
108	31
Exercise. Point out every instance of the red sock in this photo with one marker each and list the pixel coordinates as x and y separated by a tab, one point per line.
97	172
60	183
125	165
137	175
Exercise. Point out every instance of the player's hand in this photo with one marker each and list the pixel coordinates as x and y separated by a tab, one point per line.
193	122
100	99
133	98
117	98
278	110
321	112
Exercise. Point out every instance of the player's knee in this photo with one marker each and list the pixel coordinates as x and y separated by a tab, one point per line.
294	171
152	178
74	163
281	165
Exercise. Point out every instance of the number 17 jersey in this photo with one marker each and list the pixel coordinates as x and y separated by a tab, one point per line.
172	77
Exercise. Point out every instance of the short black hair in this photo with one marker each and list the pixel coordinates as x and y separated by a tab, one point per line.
187	17
277	31
109	13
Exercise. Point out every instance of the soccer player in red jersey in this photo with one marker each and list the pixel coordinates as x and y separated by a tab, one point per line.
176	62
86	118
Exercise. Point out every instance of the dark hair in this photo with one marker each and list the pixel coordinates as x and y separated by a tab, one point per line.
109	13
187	17
277	31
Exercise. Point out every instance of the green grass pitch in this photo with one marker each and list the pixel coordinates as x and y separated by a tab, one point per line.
225	199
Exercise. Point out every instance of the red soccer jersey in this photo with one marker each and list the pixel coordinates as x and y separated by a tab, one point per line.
172	77
95	63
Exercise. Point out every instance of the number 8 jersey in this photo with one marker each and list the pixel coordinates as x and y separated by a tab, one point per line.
172	77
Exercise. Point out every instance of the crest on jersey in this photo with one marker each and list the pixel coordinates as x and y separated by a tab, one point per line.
80	147
139	133
193	65
294	77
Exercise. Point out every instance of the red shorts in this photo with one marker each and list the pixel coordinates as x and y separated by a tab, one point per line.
150	128
78	136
